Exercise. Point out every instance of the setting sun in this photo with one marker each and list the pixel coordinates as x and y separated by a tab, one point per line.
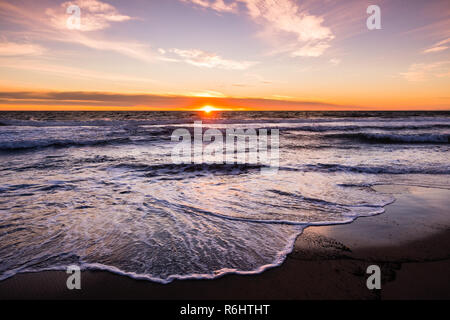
208	109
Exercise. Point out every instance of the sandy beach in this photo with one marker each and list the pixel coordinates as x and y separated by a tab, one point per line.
410	242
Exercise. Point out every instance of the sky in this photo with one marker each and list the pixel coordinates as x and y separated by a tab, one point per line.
231	55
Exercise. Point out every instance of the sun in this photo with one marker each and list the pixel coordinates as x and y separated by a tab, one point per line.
208	109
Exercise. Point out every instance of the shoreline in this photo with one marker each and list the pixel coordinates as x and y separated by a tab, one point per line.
410	242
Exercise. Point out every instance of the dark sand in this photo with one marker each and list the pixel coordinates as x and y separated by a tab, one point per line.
410	243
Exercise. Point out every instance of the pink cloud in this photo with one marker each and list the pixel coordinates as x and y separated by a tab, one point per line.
205	59
283	17
419	72
20	49
217	5
438	47
95	15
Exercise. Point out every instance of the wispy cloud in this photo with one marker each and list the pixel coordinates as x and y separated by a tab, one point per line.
438	47
335	61
284	16
133	49
419	72
217	5
96	15
20	49
208	94
31	64
311	50
203	59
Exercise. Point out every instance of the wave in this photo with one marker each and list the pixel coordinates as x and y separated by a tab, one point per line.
182	171
399	127
171	169
59	143
324	167
83	123
393	138
279	259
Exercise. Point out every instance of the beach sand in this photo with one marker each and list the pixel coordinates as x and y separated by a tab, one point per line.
410	242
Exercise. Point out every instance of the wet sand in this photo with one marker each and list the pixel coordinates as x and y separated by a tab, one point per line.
410	242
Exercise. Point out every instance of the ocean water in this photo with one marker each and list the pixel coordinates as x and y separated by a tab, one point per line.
99	189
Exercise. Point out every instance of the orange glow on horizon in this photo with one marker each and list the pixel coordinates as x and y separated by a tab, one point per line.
237	108
43	100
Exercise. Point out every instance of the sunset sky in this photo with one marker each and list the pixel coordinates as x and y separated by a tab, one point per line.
233	55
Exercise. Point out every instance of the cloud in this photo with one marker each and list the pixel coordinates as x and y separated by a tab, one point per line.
311	50
131	49
208	94
419	72
205	59
20	49
435	49
335	61
95	15
39	66
438	47
217	5
81	99
284	17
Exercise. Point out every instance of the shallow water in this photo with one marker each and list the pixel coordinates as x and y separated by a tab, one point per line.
100	190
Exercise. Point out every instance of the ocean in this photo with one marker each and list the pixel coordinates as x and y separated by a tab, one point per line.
100	189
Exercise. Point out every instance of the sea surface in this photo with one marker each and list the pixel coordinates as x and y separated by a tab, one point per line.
100	190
